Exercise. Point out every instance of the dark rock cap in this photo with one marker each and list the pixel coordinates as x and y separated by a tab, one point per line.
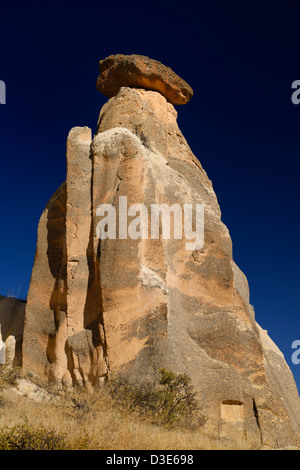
138	71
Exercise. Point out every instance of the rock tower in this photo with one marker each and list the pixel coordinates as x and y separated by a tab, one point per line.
133	306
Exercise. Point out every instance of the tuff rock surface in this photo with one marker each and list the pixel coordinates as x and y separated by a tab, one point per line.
138	71
133	306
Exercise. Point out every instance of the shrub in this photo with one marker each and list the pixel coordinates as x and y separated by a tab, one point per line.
27	437
169	402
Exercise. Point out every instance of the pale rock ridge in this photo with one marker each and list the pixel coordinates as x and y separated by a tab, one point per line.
133	306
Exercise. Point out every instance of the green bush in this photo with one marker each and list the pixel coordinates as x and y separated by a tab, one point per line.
27	437
169	402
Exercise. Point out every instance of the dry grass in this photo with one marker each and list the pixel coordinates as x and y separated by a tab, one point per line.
96	416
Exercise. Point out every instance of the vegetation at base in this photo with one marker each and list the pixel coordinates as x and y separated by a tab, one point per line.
169	402
119	415
28	437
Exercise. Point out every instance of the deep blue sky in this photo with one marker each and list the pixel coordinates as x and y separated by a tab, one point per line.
239	57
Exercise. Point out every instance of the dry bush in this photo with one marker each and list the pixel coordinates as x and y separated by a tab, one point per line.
169	402
8	376
25	436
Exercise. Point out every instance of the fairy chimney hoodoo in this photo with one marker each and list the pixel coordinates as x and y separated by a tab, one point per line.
134	305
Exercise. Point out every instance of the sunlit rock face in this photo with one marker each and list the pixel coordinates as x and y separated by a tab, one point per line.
138	71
